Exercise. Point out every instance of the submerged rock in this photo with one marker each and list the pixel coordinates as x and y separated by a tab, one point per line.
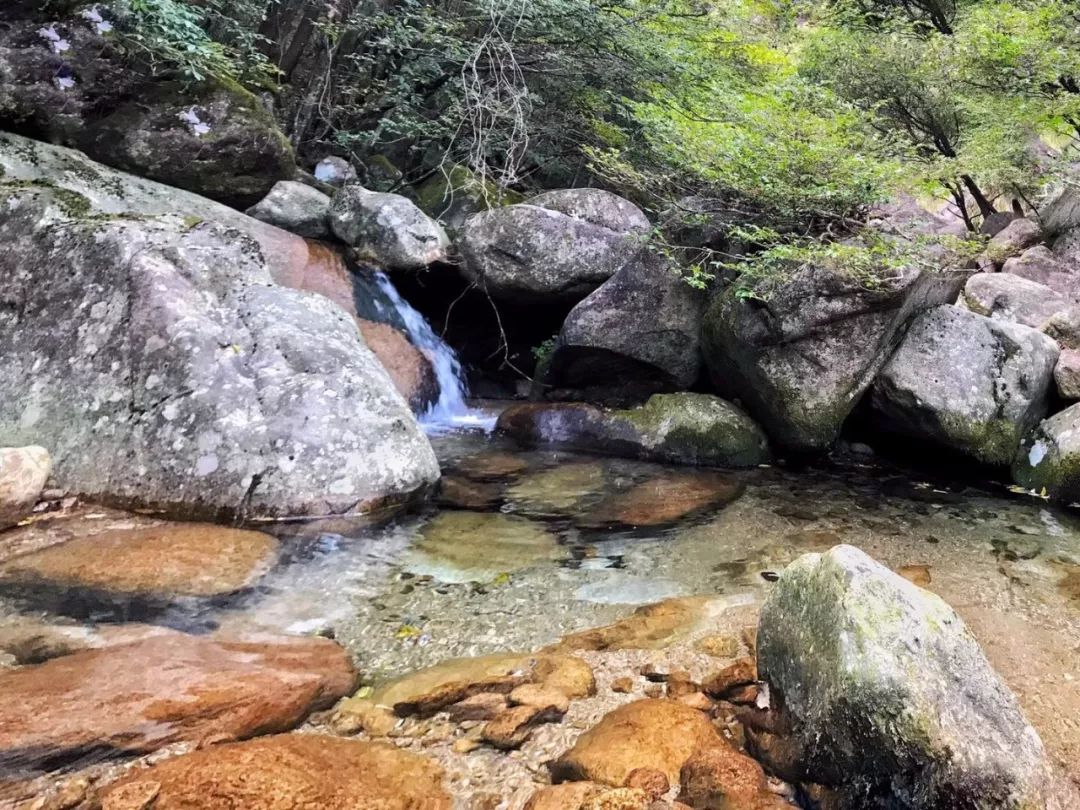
657	734
888	694
1049	458
387	229
163	368
558	247
479	546
295	207
682	428
649	627
23	473
139	697
967	382
662	500
286	772
637	334
559	491
172	560
793	358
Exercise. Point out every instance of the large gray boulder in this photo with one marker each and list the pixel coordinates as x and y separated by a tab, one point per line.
161	365
889	697
295	207
682	428
1012	298
802	352
1062	213
638	334
387	229
1049	458
63	80
967	382
559	247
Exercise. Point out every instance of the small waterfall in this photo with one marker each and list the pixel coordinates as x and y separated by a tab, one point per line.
450	409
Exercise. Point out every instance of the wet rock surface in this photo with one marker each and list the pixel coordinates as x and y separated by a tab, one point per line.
284	772
681	428
196	560
142	696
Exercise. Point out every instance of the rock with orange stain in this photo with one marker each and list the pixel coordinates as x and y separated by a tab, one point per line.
286	772
170	688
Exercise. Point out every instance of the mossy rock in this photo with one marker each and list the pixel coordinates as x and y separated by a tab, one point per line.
455	195
1049	458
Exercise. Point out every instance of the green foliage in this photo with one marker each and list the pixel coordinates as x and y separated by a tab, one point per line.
542	352
172	36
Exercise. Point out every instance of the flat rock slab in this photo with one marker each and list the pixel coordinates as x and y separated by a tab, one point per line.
199	560
663	500
139	697
286	772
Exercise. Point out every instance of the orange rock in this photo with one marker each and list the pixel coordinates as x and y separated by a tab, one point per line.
484	706
918	574
287	772
567	673
652	781
547	699
663	500
618	799
173	559
461	493
697	700
510	728
410	371
741	673
168	688
564	797
623	685
720	778
491	466
648	627
679	683
656	734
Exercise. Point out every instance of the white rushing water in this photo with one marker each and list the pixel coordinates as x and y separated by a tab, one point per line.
450	410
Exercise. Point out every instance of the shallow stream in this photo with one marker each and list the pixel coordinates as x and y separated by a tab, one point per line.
558	542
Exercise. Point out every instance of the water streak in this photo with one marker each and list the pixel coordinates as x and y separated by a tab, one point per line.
450	410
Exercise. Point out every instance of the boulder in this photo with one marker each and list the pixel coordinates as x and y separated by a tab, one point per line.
295	207
1062	213
161	562
1041	265
966	382
557	251
681	428
789	356
1012	298
1016	237
387	229
1064	327
286	772
1067	375
335	171
138	697
1049	458
888	695
721	777
637	334
62	80
595	206
657	734
662	500
162	366
23	473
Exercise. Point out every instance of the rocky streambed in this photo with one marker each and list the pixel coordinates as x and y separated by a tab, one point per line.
556	616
